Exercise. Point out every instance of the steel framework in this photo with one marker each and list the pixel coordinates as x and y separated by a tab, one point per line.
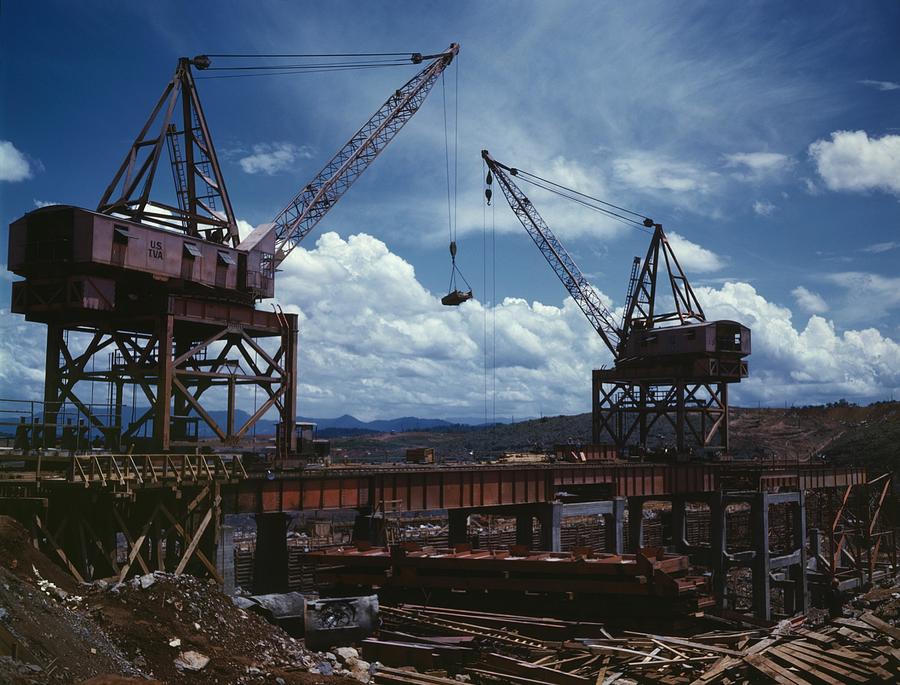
695	412
860	547
173	359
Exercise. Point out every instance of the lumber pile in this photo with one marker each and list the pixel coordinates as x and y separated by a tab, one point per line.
502	648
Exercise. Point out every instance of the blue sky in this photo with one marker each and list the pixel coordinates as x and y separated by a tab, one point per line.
763	135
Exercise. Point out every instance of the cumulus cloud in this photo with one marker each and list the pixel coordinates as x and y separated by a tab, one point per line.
646	171
14	166
809	301
754	166
693	257
375	343
245	228
763	207
43	203
804	363
373	337
881	85
271	158
853	161
22	347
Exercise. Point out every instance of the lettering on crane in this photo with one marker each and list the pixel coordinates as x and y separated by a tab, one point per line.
155	251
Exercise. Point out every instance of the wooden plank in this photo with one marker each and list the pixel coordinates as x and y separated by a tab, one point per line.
880	626
718	668
56	548
522	668
773	670
687	643
128	539
135	551
189	551
850	670
180	530
808	665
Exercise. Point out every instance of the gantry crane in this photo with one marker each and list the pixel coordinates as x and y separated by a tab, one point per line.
670	363
166	291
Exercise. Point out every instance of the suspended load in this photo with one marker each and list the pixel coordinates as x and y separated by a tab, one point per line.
456	297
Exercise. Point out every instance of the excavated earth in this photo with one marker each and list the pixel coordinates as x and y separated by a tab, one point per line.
152	629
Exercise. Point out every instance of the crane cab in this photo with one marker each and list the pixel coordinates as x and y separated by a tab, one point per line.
719	347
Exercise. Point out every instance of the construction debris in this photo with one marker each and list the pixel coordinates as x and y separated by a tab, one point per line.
448	645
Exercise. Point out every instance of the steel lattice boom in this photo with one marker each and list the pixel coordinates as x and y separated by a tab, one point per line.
314	201
557	256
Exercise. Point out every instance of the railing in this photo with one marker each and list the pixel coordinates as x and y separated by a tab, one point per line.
127	471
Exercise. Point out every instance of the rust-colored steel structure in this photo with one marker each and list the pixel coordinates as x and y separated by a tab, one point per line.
155	302
424	488
671	364
648	574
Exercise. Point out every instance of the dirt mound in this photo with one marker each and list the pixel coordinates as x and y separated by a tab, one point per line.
59	643
19	556
158	619
66	632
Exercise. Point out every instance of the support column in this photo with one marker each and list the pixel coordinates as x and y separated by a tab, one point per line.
270	563
680	416
550	518
614	527
723	427
225	558
635	521
643	391
289	413
815	548
163	410
179	425
458	528
361	527
525	529
801	580
718	546
759	512
51	385
679	525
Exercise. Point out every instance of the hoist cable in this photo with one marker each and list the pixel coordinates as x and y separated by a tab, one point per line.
628	221
447	158
313	65
484	290
456	153
493	316
520	172
288	73
247	55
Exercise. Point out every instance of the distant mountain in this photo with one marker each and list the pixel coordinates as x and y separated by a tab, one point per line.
399	425
345	425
